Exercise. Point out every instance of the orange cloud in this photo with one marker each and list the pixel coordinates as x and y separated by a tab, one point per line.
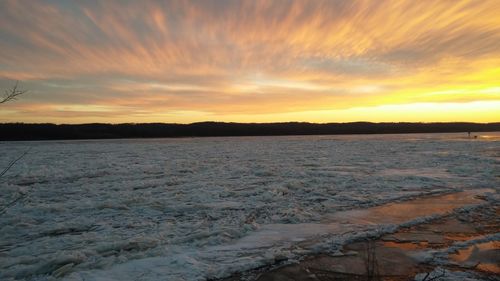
224	59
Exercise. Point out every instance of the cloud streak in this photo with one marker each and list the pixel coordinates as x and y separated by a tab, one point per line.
217	59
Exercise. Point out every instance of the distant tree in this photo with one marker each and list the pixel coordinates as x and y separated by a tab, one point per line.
12	93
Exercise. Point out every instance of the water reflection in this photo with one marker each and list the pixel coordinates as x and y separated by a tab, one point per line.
483	256
396	213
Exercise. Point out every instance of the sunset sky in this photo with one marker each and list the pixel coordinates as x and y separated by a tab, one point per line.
251	61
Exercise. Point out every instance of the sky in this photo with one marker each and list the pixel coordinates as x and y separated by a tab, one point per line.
251	61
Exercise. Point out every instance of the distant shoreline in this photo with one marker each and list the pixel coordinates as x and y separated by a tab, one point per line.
25	131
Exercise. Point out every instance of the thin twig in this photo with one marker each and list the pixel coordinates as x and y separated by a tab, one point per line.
370	260
14	162
426	275
23	195
11	94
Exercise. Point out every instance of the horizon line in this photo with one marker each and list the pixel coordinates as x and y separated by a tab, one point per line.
253	123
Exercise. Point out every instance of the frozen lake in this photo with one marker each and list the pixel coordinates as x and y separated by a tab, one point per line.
191	208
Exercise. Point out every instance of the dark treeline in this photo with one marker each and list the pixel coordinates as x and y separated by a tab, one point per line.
21	131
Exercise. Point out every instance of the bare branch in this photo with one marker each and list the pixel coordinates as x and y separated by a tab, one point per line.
12	93
371	263
3	209
13	162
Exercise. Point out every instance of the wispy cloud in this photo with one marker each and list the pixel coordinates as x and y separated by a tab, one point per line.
214	59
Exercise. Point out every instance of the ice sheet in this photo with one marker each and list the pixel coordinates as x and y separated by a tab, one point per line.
97	207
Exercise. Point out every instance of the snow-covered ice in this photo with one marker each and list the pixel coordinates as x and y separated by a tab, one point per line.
174	209
441	274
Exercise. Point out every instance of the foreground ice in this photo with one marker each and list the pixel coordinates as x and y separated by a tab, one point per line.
441	274
189	209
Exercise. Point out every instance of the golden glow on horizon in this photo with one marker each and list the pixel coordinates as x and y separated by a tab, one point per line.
251	61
